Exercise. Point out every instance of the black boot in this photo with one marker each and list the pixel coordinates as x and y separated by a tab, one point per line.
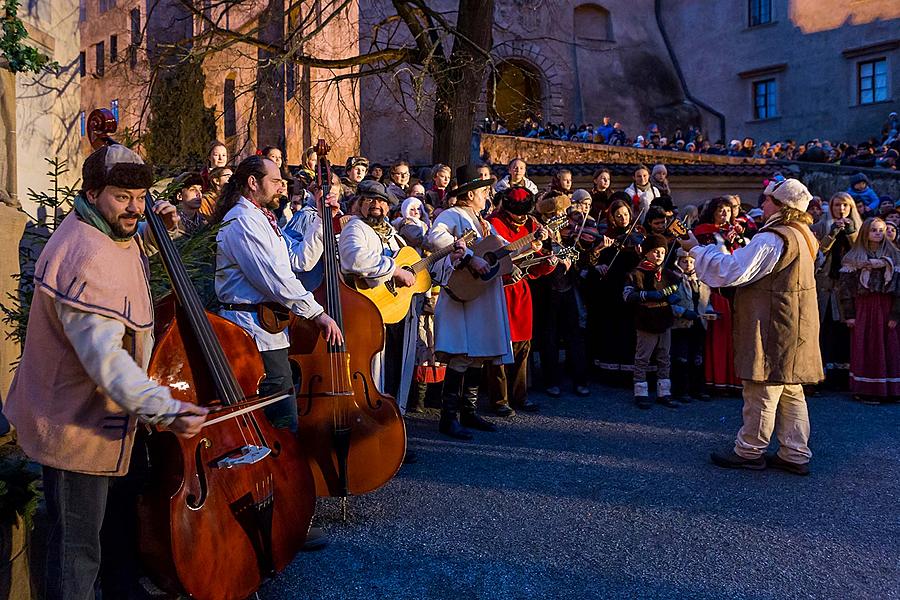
450	399
416	403
467	415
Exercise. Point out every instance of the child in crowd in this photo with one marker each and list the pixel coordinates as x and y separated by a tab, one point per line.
651	288
869	292
689	331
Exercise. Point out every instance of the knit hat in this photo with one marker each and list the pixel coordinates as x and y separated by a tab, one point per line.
789	192
579	196
654	241
115	165
516	200
858	178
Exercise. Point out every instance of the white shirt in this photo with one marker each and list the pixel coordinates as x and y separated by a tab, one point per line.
253	266
748	264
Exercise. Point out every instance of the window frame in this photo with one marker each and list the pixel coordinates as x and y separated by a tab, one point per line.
229	108
113	48
759	4
873	78
135	24
100	67
82	63
770	96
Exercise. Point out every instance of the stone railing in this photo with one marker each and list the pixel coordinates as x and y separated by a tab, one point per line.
500	149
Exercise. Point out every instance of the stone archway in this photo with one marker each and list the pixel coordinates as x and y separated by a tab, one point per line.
517	93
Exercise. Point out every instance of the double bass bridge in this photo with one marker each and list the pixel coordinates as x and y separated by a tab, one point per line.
248	455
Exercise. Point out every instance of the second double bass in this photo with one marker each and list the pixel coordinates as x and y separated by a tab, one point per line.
354	435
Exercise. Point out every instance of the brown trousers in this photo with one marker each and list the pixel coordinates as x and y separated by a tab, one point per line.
508	384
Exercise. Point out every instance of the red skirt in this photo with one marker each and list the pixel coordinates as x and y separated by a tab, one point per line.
719	360
875	349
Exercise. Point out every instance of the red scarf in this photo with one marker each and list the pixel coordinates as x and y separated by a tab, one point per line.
648	265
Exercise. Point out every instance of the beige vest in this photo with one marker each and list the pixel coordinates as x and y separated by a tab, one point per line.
776	319
62	418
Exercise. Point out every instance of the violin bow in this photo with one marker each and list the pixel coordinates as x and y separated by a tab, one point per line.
628	232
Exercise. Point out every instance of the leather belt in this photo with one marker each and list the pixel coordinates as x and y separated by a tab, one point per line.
240	307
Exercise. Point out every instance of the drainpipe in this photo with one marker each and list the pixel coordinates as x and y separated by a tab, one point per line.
662	30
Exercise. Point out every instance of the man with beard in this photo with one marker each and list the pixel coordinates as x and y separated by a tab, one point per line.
367	246
509	383
190	199
253	266
467	334
77	413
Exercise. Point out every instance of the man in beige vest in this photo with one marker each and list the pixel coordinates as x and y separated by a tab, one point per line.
82	384
776	328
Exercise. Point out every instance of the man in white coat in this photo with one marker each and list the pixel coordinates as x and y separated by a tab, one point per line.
467	334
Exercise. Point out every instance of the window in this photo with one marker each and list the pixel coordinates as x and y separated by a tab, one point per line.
113	48
872	81
83	122
82	64
229	109
290	79
760	12
764	99
114	107
101	58
207	15
135	36
105	5
593	22
82	11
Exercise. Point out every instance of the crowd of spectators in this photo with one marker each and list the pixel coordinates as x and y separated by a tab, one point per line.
881	151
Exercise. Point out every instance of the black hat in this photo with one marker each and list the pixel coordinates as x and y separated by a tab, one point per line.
369	188
467	180
186	180
115	165
653	241
516	200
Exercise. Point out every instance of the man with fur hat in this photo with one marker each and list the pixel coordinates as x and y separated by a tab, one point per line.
367	245
77	414
467	334
776	328
651	288
509	383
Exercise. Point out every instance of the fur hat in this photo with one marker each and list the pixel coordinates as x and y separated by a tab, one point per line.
553	203
654	241
789	192
516	200
115	165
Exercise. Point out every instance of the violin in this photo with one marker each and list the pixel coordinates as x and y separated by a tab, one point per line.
353	435
231	506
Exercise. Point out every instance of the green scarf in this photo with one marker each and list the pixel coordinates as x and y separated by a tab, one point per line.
382	227
90	215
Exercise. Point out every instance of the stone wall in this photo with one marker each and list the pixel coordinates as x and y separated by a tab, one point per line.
825	180
500	149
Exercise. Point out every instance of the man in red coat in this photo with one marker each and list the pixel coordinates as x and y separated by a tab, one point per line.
508	384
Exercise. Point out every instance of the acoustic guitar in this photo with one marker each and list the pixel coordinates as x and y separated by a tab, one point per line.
466	285
392	300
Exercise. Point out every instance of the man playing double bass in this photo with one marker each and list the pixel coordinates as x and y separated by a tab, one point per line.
253	266
76	413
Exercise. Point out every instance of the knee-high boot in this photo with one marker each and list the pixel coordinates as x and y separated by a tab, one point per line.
450	401
467	415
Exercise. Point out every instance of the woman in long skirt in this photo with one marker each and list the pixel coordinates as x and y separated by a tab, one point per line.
836	232
870	301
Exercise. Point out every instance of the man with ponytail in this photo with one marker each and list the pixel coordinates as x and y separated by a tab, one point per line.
253	266
776	328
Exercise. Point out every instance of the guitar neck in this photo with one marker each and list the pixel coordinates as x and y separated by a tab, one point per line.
435	256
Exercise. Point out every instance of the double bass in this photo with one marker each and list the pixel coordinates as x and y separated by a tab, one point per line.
231	506
354	434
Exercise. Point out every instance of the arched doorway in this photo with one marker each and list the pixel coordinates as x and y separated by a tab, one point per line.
516	93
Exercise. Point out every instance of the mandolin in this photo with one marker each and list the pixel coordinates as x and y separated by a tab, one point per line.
392	300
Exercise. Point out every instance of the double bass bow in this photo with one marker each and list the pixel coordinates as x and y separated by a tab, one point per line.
354	435
231	506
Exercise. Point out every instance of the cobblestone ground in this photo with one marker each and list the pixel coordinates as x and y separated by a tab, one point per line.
593	498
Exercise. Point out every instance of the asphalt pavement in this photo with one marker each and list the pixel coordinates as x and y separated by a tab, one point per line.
593	498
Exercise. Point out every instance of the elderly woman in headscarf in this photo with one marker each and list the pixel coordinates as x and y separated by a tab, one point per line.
413	222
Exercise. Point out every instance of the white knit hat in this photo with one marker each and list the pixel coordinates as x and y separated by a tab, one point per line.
789	192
